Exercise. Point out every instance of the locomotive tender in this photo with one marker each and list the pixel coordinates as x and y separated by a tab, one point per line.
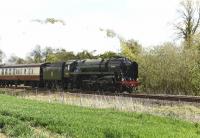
114	74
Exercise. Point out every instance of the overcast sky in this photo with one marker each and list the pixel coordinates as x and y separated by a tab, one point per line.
147	21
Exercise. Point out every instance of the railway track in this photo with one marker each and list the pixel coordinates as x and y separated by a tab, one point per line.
180	98
168	97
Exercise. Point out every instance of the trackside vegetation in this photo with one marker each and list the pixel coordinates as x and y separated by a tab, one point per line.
19	117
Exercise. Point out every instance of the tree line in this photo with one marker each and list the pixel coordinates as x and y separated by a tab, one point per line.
49	54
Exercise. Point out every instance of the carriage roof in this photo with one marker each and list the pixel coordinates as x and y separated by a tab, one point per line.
21	65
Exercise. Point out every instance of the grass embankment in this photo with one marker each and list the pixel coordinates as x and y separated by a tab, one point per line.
20	117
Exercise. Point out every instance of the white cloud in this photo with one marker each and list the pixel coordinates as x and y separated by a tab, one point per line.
22	37
149	22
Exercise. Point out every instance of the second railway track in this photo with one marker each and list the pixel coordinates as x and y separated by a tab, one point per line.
181	98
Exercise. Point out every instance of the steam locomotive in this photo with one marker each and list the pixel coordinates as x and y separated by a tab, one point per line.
114	74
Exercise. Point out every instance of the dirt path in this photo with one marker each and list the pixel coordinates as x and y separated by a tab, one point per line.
2	135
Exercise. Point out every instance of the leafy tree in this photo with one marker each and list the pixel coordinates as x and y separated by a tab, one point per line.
60	55
108	54
131	49
85	55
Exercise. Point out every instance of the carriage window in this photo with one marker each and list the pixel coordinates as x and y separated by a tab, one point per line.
25	71
6	71
9	71
2	72
29	71
32	72
13	71
20	71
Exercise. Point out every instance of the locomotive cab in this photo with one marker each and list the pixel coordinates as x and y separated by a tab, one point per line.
53	74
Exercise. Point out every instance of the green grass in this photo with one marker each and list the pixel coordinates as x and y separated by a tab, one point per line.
72	121
14	127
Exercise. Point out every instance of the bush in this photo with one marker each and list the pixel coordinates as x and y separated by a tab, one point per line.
168	69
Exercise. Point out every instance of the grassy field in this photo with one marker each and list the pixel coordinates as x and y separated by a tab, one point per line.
29	118
181	110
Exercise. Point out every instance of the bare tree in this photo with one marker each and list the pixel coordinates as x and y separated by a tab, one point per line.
37	54
189	21
16	60
2	55
46	52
